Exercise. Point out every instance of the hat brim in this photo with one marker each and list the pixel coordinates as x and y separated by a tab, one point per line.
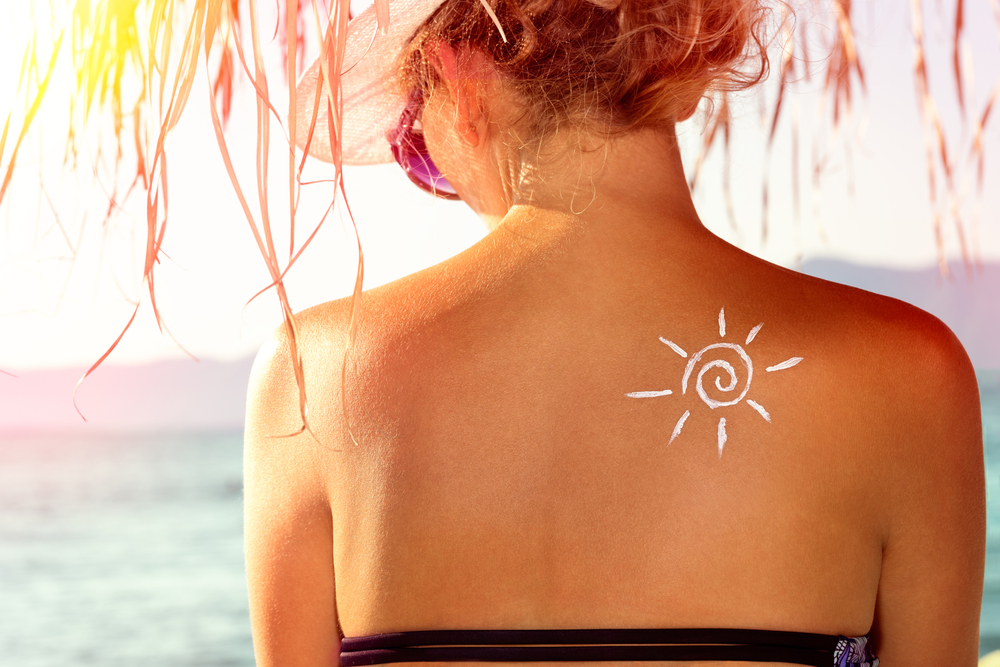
371	105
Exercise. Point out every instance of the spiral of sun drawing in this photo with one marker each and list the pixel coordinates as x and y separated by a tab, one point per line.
705	357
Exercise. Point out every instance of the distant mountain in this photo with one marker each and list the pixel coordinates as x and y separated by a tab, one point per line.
175	395
968	303
182	395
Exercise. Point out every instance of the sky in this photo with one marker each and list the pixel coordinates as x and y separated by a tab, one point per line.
871	208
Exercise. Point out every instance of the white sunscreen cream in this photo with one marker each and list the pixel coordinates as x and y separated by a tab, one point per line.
724	394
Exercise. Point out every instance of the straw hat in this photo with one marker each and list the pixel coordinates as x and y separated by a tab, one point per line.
369	108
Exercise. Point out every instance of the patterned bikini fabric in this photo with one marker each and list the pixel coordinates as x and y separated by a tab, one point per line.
854	652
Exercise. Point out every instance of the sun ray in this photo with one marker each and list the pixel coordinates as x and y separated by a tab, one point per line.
784	364
648	394
674	346
722	435
753	333
722	323
680	425
759	408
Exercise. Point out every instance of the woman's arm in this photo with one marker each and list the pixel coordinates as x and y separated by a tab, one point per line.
287	524
930	590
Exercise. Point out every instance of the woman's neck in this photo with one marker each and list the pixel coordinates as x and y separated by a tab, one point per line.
634	176
632	185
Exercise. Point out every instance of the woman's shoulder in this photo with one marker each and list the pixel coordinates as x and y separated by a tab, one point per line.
889	331
895	393
896	360
289	380
324	348
842	308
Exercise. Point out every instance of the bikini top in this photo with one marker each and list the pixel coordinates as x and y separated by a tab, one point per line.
799	648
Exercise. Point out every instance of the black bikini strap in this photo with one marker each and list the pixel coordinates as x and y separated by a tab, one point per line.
722	644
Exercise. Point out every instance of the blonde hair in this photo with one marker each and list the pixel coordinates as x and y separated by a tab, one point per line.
617	64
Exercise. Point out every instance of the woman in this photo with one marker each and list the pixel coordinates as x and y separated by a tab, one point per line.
601	417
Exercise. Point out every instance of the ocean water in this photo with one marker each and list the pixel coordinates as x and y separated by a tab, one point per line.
126	550
122	551
989	624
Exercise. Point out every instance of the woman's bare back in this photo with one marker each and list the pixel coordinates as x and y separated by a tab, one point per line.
517	462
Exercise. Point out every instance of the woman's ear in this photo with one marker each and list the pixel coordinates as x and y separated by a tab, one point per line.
466	72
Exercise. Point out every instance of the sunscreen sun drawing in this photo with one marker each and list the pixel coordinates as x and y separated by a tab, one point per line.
724	366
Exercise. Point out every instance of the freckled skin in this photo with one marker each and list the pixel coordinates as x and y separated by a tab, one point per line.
482	467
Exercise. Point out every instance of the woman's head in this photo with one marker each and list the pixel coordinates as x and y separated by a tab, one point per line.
612	65
606	65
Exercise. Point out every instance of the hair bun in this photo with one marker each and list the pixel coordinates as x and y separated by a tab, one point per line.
639	62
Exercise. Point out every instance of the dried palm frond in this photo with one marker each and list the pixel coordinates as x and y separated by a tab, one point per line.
29	66
841	68
786	76
934	138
